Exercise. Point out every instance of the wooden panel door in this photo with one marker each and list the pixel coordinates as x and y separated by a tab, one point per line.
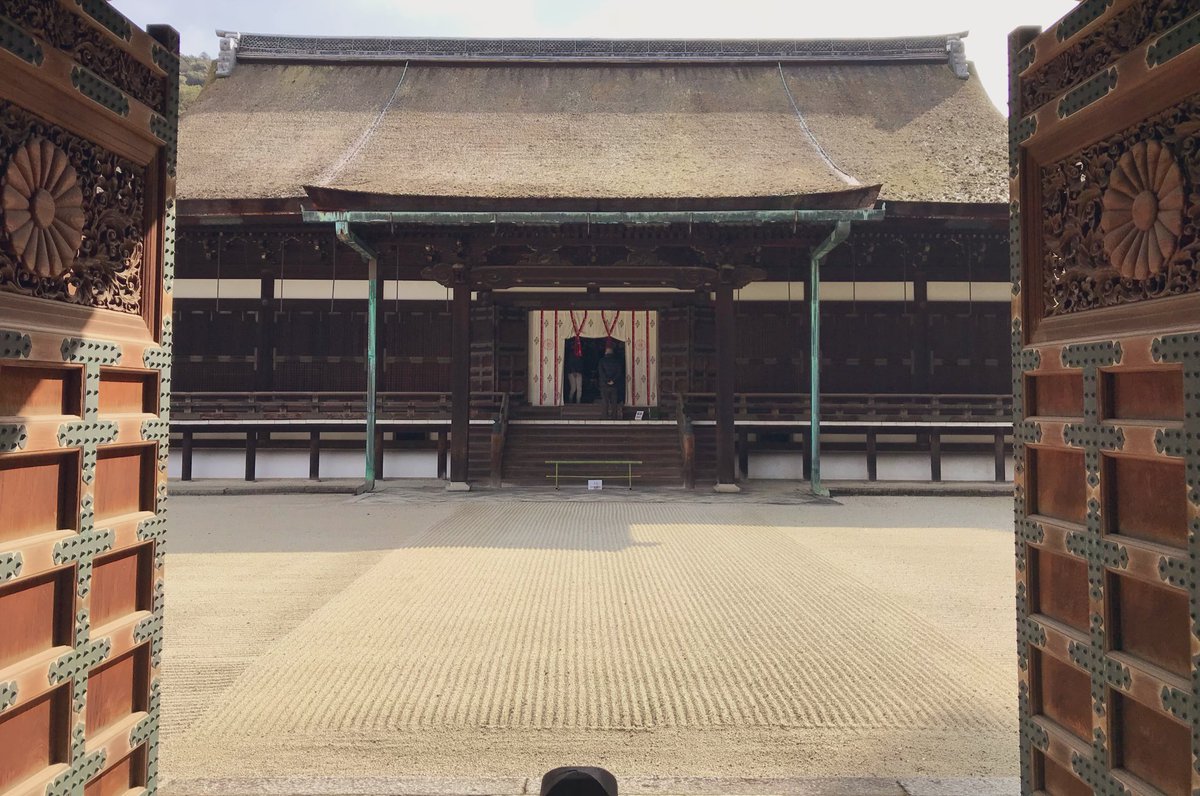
87	129
1105	132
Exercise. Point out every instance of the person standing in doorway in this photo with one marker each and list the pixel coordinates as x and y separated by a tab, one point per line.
574	368
610	372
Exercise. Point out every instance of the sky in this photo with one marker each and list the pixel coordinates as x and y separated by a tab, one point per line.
989	22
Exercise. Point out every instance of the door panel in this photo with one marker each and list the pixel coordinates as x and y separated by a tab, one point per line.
87	129
1105	172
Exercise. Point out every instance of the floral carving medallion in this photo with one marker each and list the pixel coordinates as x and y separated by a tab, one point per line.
72	216
43	208
1121	217
1143	206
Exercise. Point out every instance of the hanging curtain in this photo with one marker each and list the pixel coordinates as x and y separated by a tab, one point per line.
550	329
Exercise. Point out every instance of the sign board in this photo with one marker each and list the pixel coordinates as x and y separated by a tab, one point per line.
639	414
595	483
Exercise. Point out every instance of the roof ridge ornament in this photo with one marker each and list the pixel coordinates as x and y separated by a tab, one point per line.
958	56
277	47
227	55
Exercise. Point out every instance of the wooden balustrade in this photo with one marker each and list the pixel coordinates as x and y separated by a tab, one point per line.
275	406
874	414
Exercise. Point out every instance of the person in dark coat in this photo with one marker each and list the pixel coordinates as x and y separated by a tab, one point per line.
610	371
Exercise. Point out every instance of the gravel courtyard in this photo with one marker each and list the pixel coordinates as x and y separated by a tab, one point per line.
331	636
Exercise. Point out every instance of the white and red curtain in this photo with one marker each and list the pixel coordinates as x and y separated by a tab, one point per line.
550	329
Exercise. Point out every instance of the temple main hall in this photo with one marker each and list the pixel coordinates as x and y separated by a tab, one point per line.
396	256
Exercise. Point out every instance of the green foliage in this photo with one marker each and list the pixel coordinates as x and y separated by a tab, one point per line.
195	71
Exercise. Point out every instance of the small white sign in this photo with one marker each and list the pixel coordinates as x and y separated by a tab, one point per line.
595	483
639	414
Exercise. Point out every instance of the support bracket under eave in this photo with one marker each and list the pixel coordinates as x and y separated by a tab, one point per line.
347	236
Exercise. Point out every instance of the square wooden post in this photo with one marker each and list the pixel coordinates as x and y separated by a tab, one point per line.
186	464
935	456
743	455
726	346
872	456
314	455
460	381
441	454
251	454
998	444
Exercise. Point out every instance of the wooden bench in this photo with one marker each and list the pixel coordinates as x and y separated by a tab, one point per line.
627	463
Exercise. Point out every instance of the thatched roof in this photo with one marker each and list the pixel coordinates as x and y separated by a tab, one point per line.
596	128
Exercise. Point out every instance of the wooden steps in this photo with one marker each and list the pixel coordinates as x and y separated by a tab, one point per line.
530	446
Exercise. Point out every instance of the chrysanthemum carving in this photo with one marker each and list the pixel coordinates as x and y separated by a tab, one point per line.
1143	210
43	208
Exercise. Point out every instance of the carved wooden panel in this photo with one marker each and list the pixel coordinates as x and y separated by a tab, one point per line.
1106	375
1113	222
87	129
74	216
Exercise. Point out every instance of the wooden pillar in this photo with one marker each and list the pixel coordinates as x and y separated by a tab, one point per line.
314	455
935	456
460	380
743	454
251	454
264	355
805	457
920	331
441	454
379	456
726	347
187	456
998	443
872	457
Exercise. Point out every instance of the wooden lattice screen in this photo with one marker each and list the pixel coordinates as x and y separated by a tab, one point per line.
1105	135
87	129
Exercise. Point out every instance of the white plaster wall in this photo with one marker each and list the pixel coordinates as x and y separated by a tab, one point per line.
772	465
788	465
294	464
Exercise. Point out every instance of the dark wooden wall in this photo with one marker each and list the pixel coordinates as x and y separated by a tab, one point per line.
898	347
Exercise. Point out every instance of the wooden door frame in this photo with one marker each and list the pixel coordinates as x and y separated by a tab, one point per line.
1106	381
79	81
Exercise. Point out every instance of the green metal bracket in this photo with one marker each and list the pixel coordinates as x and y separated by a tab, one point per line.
839	234
347	236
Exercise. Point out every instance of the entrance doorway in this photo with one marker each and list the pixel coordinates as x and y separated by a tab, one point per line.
552	333
590	352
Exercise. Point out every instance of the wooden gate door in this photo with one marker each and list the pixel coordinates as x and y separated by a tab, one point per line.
87	129
1105	126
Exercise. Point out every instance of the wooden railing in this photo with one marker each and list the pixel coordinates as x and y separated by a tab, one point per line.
272	406
275	406
853	406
